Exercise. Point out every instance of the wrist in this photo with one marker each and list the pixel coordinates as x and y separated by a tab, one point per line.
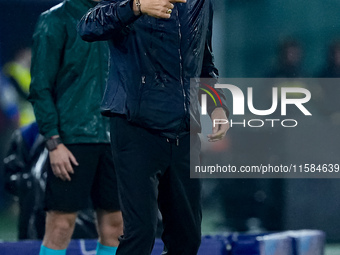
221	109
218	109
53	142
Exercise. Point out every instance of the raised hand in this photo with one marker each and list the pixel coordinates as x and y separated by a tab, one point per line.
160	9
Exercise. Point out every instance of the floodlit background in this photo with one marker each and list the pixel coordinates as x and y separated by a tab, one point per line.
251	38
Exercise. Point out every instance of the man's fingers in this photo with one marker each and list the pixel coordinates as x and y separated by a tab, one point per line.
165	15
61	161
69	168
215	138
64	174
73	159
65	177
61	171
224	128
56	170
218	132
161	15
169	6
218	135
162	11
215	129
178	1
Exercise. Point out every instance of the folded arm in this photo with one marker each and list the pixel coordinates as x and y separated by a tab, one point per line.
110	17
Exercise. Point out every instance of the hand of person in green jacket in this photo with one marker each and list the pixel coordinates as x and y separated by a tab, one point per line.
61	160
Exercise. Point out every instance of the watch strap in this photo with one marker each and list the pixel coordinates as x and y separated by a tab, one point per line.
52	143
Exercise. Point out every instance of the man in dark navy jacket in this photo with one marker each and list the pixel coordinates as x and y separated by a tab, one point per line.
156	47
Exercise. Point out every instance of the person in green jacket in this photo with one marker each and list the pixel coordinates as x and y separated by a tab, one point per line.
68	79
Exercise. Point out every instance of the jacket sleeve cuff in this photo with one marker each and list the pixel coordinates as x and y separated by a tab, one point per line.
51	133
210	109
125	12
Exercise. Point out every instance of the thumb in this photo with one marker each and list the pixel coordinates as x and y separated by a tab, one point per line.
215	129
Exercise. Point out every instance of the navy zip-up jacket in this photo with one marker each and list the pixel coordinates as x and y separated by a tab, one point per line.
152	61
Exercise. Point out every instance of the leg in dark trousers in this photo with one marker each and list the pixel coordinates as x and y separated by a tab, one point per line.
146	162
180	201
139	159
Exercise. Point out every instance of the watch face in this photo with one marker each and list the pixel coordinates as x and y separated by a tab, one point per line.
51	144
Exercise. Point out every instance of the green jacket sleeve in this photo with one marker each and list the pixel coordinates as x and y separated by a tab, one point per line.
48	44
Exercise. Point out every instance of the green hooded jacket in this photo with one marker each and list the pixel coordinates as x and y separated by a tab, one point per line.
68	77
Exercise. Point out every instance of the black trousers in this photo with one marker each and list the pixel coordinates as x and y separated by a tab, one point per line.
154	172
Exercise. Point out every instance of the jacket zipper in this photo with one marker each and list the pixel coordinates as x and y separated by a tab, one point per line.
181	79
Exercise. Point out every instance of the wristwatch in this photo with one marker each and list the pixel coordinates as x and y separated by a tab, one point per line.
52	143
